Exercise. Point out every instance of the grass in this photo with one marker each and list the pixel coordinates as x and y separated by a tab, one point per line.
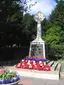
60	60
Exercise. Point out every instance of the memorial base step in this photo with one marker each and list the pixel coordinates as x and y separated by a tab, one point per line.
53	74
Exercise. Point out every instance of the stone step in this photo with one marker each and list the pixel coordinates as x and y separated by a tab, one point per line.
54	66
61	75
61	70
51	63
47	61
62	67
58	67
52	75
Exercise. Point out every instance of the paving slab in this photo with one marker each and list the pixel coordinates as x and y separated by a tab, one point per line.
36	81
52	75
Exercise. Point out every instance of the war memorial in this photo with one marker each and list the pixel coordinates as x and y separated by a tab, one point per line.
36	64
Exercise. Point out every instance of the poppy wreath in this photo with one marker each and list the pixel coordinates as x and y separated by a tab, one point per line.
33	63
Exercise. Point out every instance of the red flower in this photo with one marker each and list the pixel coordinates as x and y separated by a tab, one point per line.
31	64
41	63
46	68
34	62
1	71
35	67
18	65
25	61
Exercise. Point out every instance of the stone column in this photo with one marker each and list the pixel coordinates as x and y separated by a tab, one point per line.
39	29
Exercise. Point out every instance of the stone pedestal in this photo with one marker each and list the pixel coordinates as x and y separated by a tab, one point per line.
37	46
37	49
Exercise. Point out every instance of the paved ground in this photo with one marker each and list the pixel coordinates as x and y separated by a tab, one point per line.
36	81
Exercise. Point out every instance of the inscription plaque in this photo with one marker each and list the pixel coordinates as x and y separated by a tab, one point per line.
37	50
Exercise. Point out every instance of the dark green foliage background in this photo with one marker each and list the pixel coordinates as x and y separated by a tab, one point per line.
16	28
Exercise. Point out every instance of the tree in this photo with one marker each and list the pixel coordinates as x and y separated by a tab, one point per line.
12	22
52	36
52	39
28	28
57	16
46	24
7	9
11	16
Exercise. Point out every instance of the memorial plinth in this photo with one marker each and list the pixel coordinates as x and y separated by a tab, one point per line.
37	46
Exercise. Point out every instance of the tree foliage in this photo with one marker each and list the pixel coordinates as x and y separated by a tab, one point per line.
10	20
7	9
29	27
57	16
14	26
54	34
18	28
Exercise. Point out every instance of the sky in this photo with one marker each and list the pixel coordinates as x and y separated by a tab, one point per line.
45	6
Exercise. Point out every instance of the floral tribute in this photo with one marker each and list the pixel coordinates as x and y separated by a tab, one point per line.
33	63
8	77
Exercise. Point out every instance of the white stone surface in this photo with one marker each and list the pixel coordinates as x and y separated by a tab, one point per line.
39	17
42	75
52	75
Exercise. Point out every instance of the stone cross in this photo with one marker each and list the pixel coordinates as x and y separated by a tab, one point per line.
37	46
39	17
